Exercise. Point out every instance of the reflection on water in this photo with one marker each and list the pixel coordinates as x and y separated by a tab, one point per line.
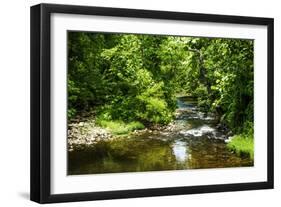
195	144
180	150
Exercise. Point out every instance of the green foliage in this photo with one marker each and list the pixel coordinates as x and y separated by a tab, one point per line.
71	112
139	91
86	83
154	110
223	78
203	97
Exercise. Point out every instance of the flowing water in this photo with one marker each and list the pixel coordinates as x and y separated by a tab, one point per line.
192	143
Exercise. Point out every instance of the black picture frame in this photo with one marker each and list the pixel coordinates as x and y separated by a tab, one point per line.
41	96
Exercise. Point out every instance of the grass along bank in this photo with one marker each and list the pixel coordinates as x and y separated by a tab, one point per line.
118	127
242	145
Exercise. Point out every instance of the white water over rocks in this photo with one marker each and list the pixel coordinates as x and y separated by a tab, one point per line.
198	132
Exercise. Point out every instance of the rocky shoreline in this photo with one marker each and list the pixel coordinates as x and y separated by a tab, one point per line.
84	132
87	133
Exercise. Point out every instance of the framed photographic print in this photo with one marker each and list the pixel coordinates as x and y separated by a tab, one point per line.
132	103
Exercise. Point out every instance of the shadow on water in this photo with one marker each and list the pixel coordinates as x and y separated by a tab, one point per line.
194	144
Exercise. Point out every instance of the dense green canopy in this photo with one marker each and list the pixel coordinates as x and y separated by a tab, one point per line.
137	77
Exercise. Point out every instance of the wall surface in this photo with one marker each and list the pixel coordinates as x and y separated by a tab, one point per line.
14	93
